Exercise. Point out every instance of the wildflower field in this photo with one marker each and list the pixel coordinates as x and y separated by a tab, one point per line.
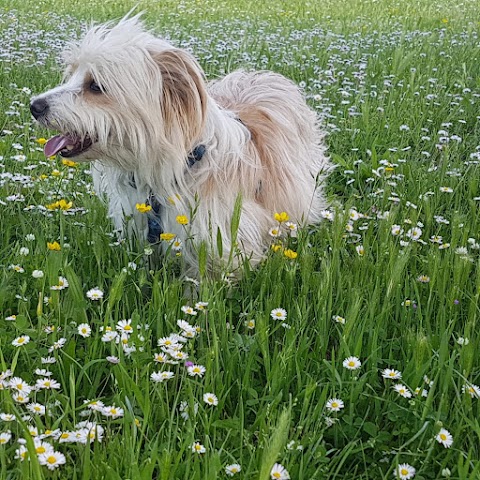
351	352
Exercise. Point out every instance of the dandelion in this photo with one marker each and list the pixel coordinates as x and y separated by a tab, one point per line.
54	246
20	341
352	363
279	472
52	460
232	469
95	294
278	314
182	219
402	390
334	405
84	330
198	448
391	374
404	471
211	399
143	207
444	437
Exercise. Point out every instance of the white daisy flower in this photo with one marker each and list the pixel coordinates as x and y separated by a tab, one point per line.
279	472
444	437
210	398
278	314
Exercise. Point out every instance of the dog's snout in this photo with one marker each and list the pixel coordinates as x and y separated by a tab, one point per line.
39	107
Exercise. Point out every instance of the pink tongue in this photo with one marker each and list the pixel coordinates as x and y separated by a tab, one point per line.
57	143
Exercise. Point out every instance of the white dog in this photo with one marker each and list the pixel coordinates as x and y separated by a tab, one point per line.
159	135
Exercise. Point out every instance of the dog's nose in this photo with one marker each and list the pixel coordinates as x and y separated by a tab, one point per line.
39	107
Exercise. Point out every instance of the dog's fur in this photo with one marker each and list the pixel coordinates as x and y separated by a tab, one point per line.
262	140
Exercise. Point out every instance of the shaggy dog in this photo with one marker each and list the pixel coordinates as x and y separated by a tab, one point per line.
159	135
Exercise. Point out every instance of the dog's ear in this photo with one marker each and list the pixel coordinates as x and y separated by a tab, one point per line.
184	96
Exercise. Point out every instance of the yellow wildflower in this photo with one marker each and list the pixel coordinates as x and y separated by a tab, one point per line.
281	217
182	219
41	141
290	254
69	163
143	207
167	236
53	246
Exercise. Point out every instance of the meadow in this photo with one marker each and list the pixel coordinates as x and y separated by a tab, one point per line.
351	352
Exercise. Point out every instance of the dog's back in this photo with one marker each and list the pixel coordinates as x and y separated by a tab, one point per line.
285	138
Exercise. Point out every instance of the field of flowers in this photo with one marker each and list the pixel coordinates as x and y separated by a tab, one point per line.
350	353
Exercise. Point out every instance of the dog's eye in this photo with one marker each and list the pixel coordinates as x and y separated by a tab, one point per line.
95	87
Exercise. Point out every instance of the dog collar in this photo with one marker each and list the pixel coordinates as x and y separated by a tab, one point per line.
197	154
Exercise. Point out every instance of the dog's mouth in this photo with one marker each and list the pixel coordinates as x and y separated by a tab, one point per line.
69	145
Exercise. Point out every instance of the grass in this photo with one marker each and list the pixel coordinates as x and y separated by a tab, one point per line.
397	86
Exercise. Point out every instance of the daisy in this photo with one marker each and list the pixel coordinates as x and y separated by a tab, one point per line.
444	437
210	398
201	305
278	314
84	330
339	319
58	345
20	397
36	408
37	274
20	385
414	233
404	471
188	310
472	390
352	363
160	357
402	390
7	417
5	437
160	377
113	359
196	370
20	341
124	326
291	227
232	469
274	232
47	384
198	448
52	460
61	285
95	294
391	374
335	404
113	411
360	250
279	472
42	447
423	279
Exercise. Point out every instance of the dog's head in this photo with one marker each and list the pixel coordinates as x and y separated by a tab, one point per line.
125	94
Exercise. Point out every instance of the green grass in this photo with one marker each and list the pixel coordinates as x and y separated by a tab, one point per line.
386	78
